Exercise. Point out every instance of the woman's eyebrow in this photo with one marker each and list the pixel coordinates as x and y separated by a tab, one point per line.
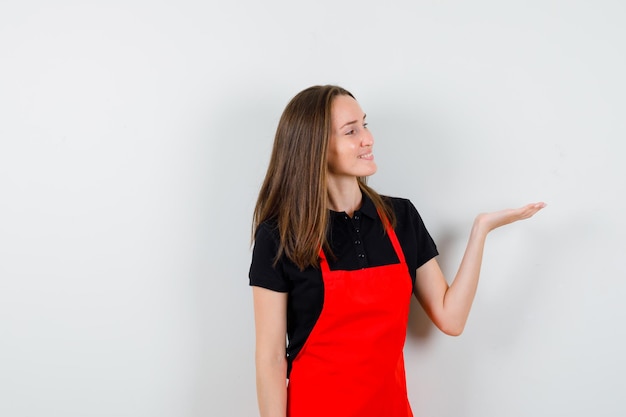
353	122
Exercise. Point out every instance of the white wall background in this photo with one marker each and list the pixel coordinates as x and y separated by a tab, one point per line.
134	136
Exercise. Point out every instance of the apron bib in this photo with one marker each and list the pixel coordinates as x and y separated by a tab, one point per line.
352	363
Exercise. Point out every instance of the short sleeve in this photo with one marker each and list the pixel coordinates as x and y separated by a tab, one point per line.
426	248
417	244
263	273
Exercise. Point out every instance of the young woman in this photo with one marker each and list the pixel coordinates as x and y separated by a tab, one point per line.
334	266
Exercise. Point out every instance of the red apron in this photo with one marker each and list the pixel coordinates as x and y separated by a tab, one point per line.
352	364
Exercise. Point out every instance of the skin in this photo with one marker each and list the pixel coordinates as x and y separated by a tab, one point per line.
350	154
448	305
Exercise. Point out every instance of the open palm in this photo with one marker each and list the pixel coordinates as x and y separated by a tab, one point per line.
496	219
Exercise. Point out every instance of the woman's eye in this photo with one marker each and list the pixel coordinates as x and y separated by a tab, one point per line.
365	125
350	132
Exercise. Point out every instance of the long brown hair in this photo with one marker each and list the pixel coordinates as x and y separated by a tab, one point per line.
294	193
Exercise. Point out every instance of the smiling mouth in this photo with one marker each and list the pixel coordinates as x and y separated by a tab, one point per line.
366	156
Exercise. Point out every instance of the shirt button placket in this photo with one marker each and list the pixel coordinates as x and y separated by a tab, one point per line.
356	221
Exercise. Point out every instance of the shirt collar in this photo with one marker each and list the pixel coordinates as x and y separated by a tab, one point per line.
367	208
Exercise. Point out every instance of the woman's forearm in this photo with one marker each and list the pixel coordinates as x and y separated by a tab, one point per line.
460	294
449	305
270	317
271	386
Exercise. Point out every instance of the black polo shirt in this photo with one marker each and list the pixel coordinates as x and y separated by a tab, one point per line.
357	242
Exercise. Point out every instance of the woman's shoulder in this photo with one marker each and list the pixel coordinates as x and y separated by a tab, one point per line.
267	231
401	206
406	213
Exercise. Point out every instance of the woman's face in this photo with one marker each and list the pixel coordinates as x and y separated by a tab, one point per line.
350	147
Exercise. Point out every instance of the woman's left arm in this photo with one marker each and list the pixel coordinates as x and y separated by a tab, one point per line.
448	306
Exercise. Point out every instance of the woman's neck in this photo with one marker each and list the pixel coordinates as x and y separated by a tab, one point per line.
345	195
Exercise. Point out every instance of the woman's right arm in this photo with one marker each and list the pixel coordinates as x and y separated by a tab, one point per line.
270	320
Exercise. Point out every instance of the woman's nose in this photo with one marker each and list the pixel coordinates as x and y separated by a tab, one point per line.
367	139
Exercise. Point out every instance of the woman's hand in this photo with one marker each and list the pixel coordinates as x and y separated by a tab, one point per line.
449	305
490	221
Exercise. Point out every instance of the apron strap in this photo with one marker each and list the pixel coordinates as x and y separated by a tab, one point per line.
323	262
